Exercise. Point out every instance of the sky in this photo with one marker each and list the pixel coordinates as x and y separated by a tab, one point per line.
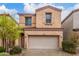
14	8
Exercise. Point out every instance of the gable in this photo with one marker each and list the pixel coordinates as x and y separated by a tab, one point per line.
50	7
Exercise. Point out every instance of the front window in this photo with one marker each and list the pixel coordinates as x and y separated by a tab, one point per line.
28	21
48	17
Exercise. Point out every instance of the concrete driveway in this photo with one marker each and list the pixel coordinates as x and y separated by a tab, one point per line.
48	52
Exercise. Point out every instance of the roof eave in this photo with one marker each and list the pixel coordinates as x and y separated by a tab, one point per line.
69	15
48	7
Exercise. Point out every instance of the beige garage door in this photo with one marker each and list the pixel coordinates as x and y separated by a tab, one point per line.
43	42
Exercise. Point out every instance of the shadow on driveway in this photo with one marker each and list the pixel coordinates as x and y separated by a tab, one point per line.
44	52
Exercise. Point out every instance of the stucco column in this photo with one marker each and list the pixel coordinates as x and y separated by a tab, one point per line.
17	42
26	41
60	41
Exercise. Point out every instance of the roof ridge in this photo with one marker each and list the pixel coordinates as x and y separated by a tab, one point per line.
69	15
48	6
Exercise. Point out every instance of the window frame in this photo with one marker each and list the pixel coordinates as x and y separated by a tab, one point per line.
27	24
49	22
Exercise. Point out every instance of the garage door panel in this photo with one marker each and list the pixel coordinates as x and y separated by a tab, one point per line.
42	42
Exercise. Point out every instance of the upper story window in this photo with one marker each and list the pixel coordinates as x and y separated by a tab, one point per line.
48	17
28	21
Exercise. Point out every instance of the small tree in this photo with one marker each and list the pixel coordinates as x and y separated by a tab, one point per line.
74	37
71	43
9	30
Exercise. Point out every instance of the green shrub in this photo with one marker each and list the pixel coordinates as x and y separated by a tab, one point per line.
2	49
69	46
4	54
15	50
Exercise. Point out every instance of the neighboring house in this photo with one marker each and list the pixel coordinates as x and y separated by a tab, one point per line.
71	24
42	30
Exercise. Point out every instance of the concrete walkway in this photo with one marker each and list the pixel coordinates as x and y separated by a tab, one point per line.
46	53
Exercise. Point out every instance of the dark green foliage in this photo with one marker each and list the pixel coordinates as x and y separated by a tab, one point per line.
69	46
15	50
2	49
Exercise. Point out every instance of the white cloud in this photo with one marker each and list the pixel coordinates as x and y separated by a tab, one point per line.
2	7
76	6
12	12
30	8
44	4
60	7
65	13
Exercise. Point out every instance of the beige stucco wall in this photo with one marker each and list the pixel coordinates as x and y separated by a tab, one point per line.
40	18
38	21
68	26
22	20
76	20
53	33
17	42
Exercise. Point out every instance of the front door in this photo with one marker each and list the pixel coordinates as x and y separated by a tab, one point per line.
22	40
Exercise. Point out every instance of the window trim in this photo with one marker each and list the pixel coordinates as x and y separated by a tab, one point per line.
28	24
51	18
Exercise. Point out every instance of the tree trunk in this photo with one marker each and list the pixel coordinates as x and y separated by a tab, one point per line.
5	44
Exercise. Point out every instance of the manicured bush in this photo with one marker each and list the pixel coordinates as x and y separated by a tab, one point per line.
4	54
15	50
2	49
69	46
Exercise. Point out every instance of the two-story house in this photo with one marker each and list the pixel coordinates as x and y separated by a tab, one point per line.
42	30
71	24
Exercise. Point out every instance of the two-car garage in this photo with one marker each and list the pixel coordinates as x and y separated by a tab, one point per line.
42	42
